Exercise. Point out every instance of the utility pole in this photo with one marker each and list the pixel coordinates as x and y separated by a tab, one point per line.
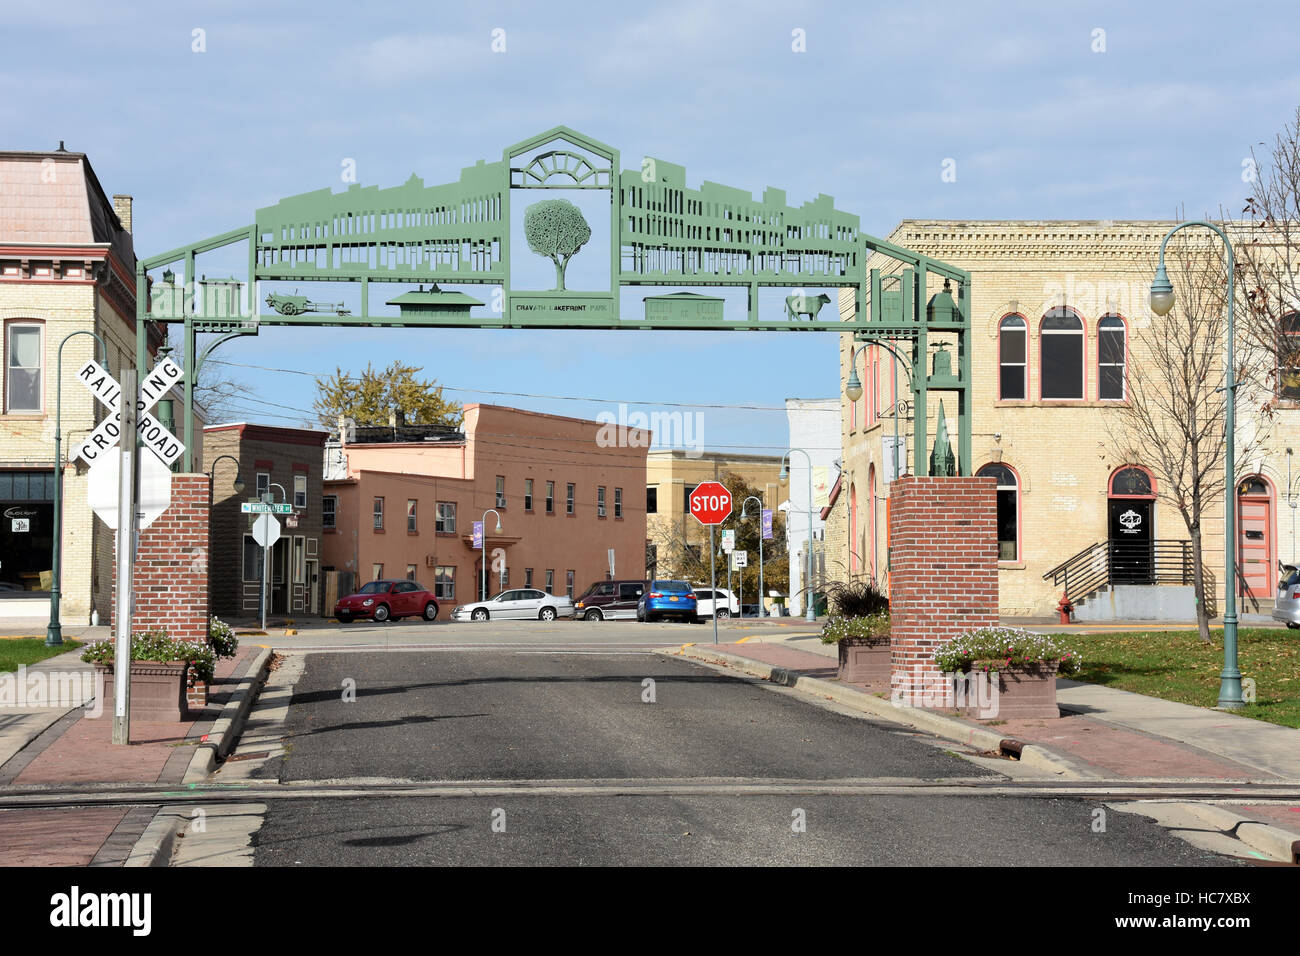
125	563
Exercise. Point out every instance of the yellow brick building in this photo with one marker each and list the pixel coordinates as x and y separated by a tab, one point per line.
67	265
1058	313
672	473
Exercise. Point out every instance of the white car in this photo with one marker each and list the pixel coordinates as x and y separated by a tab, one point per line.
522	604
727	602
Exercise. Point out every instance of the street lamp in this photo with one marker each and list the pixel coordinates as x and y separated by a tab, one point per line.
810	614
54	630
744	505
483	550
853	387
1162	300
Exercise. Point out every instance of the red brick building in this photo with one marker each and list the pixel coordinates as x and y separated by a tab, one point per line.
401	501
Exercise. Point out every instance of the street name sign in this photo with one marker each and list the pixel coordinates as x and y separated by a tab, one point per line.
710	503
262	508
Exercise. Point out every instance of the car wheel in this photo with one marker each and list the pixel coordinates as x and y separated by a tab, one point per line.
1292	626
480	614
593	615
548	614
723	613
695	619
431	611
381	613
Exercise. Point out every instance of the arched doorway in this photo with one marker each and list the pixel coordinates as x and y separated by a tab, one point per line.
871	518
1255	539
1131	525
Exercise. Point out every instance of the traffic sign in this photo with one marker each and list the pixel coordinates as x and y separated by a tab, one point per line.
263	508
102	489
739	559
151	432
266	530
729	540
710	503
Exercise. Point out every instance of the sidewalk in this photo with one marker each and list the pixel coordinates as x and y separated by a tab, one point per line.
64	746
1102	732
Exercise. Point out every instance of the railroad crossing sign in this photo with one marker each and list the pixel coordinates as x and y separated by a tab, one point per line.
262	508
152	433
266	530
710	503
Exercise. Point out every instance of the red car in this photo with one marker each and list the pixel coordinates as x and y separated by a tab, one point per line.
382	600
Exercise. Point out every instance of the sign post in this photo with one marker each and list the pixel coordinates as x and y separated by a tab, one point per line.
266	532
710	505
125	561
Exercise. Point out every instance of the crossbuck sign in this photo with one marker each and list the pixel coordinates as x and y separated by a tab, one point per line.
152	433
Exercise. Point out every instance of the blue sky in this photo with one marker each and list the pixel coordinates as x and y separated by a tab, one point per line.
1039	125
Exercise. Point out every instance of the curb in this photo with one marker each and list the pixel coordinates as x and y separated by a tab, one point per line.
226	728
1272	841
154	848
1033	755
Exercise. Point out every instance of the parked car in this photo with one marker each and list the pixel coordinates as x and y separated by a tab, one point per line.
749	610
726	601
520	604
385	600
1286	607
668	599
610	600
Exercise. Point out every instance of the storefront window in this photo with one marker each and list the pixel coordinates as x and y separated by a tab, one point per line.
27	531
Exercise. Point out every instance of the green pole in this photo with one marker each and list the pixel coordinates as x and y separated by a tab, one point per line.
54	630
1162	298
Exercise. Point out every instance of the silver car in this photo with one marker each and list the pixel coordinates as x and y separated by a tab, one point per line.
523	604
1286	606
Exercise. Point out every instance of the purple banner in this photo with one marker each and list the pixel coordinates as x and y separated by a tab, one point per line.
767	524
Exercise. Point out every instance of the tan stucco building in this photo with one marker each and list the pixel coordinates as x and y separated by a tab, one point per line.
1058	311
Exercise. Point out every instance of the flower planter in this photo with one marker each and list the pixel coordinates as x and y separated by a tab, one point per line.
1025	690
157	690
864	660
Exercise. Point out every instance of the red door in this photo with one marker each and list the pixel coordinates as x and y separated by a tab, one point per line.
1255	540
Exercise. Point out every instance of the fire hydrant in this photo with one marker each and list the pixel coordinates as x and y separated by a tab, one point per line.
1065	607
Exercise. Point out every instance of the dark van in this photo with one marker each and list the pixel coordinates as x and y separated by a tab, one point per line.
609	601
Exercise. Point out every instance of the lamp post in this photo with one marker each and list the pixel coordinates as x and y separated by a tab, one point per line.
483	550
810	613
54	630
238	485
1162	300
853	387
744	505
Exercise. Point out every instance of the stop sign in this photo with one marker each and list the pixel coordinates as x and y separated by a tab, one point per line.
711	503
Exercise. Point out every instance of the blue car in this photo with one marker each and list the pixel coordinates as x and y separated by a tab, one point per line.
668	599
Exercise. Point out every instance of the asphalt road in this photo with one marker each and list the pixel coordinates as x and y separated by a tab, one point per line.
535	716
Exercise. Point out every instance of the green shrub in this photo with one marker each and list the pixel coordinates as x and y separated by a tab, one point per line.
992	648
872	625
157	646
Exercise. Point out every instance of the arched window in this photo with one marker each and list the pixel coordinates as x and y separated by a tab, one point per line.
1112	355
1131	482
1012	352
1008	509
871	517
1060	371
1288	358
853	529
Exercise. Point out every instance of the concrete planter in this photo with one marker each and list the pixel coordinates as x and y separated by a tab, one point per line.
157	690
864	660
1026	690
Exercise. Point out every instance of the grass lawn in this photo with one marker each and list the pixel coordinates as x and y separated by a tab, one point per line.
29	650
1175	665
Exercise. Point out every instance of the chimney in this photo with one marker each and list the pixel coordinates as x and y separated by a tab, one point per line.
122	206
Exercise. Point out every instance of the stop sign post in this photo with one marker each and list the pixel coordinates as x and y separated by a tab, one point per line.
711	505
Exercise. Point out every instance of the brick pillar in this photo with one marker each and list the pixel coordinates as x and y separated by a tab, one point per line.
171	567
943	571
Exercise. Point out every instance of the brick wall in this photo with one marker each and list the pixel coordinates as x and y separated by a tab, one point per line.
945	569
171	569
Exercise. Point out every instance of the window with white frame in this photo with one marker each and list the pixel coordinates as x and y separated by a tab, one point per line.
600	502
411	524
24	392
444	583
1012	350
329	506
1060	369
378	513
263	485
300	492
445	521
1111	357
618	502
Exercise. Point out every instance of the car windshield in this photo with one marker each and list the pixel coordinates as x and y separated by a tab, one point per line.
374	587
680	587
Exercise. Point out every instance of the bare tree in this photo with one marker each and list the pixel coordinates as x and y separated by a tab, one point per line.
1175	415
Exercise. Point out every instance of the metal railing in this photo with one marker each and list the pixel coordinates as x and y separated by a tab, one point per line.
1107	563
